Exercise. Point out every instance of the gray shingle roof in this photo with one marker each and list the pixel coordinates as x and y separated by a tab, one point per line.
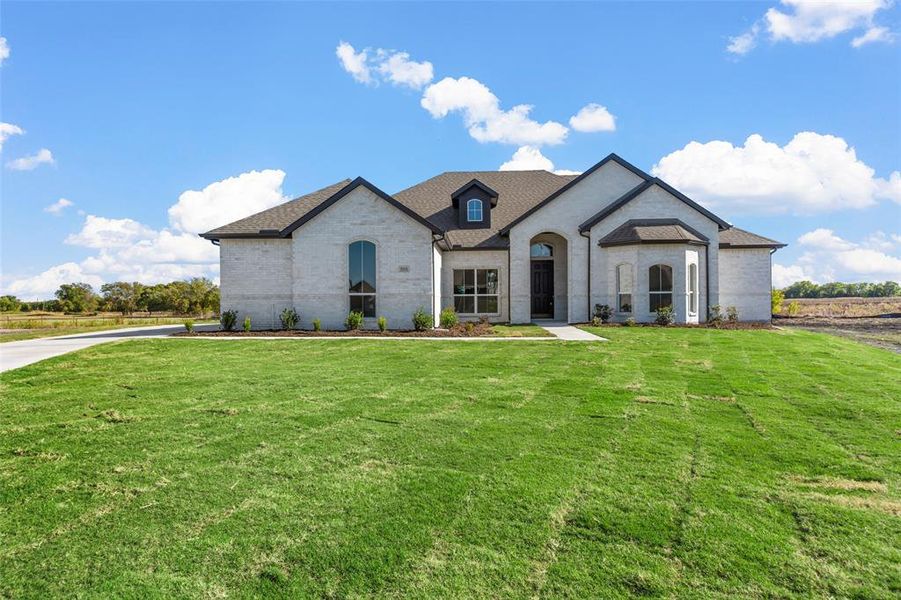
517	191
739	238
277	217
653	231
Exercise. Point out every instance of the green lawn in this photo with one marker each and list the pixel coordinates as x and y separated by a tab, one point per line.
682	462
519	331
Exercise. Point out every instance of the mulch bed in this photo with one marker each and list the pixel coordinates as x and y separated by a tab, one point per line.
478	330
724	325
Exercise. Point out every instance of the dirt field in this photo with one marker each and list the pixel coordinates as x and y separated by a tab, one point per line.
874	321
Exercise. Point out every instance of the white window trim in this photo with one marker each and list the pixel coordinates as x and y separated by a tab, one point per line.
620	293
660	293
693	292
475	295
481	205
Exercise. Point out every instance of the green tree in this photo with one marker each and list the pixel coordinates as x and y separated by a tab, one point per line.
76	297
121	296
9	304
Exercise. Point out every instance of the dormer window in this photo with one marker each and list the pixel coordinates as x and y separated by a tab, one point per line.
474	210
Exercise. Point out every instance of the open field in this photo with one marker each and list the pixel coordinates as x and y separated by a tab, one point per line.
676	462
29	326
874	321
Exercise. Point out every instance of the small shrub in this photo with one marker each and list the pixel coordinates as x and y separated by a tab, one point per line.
715	318
630	322
246	323
603	312
665	315
383	324
422	320
354	320
776	300
189	326
732	314
228	319
596	322
317	325
448	318
470	327
794	308
289	318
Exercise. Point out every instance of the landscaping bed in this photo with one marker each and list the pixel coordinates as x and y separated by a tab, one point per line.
477	330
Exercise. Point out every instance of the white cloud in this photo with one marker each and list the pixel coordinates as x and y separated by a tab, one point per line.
593	117
4	50
829	257
127	250
42	286
58	207
873	34
744	43
400	70
813	173
7	130
483	116
354	62
103	233
803	21
393	67
227	200
530	158
28	163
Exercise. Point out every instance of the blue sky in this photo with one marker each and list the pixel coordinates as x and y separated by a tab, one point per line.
142	107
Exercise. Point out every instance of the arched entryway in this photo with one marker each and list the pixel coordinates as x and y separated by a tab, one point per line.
548	276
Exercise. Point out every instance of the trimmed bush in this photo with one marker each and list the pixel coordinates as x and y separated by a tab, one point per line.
228	319
422	320
732	314
317	325
189	326
776	299
246	323
630	322
448	318
289	318
354	320
794	307
665	315
383	324
596	322
603	312
715	317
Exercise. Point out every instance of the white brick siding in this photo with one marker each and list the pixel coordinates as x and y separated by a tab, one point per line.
255	279
746	281
563	216
403	261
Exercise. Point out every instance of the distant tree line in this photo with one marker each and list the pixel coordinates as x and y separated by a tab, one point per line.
808	289
196	296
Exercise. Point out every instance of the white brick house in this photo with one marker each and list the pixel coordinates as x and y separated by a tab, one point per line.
507	245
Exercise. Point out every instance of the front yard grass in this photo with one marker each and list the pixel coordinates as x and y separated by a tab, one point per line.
530	330
681	462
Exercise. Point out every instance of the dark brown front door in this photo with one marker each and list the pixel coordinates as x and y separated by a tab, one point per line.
542	288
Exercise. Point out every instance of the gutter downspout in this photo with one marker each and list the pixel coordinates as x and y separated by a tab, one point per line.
588	237
509	287
432	262
707	280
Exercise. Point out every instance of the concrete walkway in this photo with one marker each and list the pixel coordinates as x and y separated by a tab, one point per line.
565	331
25	352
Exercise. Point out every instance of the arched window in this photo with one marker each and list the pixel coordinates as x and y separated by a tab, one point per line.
624	288
474	210
660	287
361	276
541	250
693	288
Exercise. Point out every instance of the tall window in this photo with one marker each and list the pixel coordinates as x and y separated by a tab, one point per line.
693	288
541	250
475	291
624	288
660	286
361	275
474	210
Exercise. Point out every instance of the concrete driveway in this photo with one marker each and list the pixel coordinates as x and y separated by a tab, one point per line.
19	354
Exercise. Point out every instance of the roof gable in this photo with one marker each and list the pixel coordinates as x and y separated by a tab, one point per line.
610	157
475	183
359	181
638	191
